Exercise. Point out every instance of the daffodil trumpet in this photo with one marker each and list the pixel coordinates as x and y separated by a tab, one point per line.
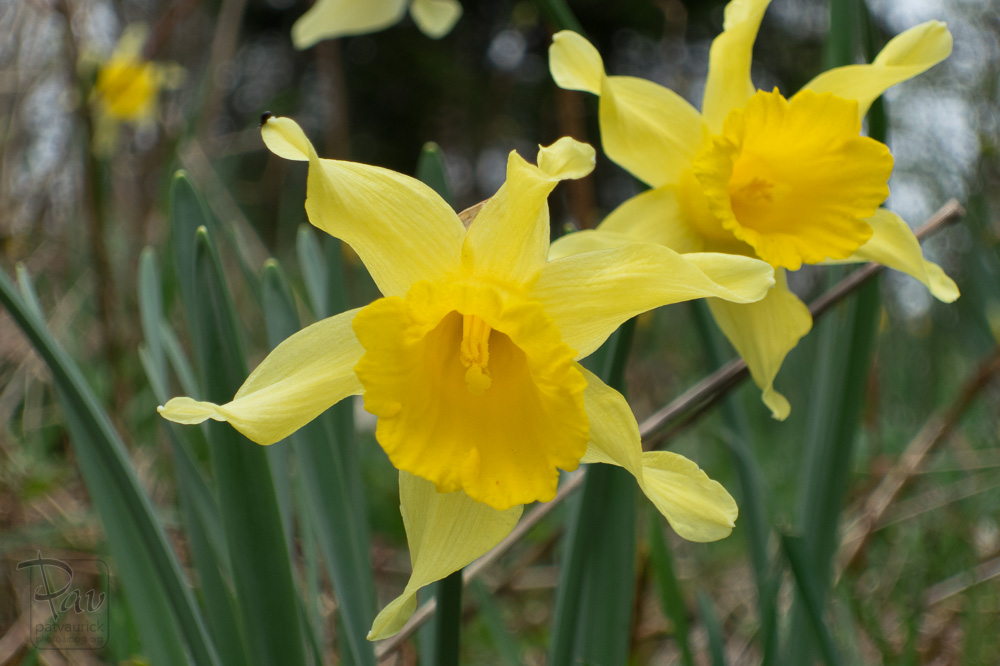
470	360
790	181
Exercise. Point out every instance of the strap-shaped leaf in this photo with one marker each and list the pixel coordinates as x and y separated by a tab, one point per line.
167	617
248	502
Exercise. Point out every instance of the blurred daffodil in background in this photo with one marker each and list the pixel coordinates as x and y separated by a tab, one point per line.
470	361
791	181
329	19
127	88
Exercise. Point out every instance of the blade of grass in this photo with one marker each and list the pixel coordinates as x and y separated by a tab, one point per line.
151	310
507	651
248	502
838	392
597	574
340	421
846	344
671	597
795	550
187	213
558	14
314	271
431	170
716	647
754	519
168	618
178	360
323	275
311	568
338	519
199	511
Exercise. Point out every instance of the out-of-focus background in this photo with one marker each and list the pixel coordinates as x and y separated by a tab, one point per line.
925	587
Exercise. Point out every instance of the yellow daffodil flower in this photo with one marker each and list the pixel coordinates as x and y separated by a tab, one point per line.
127	87
329	19
790	181
470	360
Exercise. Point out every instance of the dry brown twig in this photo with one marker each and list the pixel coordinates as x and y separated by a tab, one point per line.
682	412
934	431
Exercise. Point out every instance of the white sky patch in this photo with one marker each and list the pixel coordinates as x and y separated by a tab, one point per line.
903	14
804	17
934	132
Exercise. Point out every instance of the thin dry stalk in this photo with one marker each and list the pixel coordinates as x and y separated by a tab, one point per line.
935	431
960	583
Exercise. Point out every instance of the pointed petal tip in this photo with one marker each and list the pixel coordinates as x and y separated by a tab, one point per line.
435	18
394	616
940	285
698	508
574	63
567	159
777	403
285	138
188	411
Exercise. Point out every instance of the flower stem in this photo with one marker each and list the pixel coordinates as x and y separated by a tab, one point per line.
448	624
597	569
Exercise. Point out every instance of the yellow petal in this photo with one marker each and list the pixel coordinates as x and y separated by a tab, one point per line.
435	18
285	138
336	18
128	86
132	41
574	62
763	333
698	508
445	532
794	179
402	230
893	244
566	159
299	379
649	130
673	215
127	89
473	391
509	238
656	216
905	56
728	85
586	240
589	295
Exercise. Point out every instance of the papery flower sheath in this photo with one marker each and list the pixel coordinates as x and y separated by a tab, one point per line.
790	181
329	19
470	360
